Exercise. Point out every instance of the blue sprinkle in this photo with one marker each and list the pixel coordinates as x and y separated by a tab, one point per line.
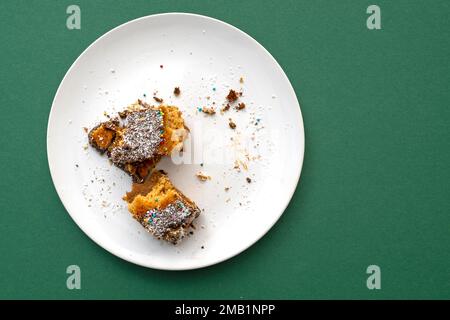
214	89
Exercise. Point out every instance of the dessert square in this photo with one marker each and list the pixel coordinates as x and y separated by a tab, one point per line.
162	210
137	139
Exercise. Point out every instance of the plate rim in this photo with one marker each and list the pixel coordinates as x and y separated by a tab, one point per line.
117	252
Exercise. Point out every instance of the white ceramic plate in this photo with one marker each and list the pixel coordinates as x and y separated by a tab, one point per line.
205	58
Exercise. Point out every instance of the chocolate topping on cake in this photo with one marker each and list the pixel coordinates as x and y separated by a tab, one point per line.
141	137
160	222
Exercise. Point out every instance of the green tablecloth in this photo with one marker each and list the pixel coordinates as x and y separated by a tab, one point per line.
375	182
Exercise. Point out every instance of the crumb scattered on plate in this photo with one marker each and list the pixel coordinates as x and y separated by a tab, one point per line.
232	96
209	111
231	124
240	106
225	108
202	177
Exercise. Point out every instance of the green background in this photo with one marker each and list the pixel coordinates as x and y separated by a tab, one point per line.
375	182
